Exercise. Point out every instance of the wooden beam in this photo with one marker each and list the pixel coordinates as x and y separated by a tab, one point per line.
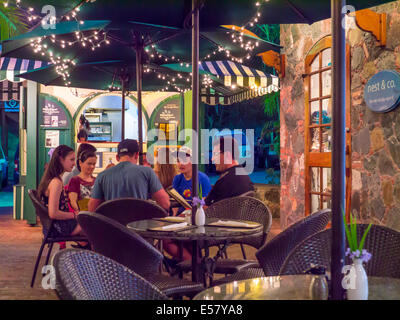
276	60
375	23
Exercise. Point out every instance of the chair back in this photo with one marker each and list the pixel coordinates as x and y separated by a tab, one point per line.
86	275
243	208
272	255
382	242
41	210
248	194
127	210
117	242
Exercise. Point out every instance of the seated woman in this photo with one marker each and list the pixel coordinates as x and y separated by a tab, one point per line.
80	187
164	168
52	194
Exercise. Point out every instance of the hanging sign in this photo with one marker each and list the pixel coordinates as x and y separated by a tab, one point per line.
168	117
53	115
382	91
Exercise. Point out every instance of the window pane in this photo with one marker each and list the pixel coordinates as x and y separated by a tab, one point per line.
314	112
326	83
326	180
326	58
314	202
315	86
326	202
314	134
326	139
315	64
326	111
315	179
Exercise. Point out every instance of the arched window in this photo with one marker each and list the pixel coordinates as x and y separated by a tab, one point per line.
318	124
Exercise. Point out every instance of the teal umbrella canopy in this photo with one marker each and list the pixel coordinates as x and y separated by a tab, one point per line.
108	75
173	13
306	11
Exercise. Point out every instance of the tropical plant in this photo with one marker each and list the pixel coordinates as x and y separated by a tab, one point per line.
355	250
11	21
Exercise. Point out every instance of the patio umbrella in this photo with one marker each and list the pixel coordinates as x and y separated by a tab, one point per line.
144	39
309	11
173	13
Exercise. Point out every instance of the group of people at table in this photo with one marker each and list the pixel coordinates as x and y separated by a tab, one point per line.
68	180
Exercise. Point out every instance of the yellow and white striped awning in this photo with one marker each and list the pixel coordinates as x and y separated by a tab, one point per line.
252	82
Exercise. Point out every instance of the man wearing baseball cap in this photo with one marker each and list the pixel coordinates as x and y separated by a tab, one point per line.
183	181
128	179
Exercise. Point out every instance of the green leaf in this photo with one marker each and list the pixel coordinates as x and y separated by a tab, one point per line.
355	231
364	237
346	228
10	22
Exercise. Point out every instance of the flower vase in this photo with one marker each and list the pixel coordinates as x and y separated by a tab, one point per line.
200	217
359	290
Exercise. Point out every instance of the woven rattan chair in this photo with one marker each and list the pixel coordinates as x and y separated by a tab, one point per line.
117	242
47	224
127	210
86	275
383	243
272	255
242	208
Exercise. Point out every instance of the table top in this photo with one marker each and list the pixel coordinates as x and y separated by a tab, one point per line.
291	287
196	233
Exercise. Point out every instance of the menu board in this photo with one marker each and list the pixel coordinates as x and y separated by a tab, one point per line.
168	117
53	115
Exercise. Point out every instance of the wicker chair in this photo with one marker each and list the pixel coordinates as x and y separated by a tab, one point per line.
47	224
85	275
131	250
383	243
273	254
242	208
127	210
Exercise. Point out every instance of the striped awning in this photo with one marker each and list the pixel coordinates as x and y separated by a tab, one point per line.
236	74
9	83
9	67
244	82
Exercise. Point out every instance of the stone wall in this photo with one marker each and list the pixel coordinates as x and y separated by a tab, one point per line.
375	137
296	40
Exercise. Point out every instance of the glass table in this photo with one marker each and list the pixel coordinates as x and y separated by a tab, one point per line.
196	234
291	287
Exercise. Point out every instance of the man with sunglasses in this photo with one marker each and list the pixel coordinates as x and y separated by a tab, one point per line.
233	180
183	181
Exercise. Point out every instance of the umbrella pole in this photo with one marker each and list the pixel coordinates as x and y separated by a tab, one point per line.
195	126
338	146
139	78
195	98
123	109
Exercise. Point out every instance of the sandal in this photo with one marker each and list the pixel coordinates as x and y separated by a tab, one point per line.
87	246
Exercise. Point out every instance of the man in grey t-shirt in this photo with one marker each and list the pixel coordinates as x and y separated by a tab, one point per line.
127	179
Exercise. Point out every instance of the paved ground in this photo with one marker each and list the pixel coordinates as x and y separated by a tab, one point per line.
19	245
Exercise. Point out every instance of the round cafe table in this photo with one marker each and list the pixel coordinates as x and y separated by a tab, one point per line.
291	287
195	235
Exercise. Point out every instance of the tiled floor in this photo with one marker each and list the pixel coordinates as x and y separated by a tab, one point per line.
19	244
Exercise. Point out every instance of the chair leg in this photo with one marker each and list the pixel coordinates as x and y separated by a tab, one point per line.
48	254
243	252
37	263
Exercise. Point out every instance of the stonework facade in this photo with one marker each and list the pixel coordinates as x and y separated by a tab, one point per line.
375	157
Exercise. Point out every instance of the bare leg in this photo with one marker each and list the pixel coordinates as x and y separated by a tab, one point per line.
173	249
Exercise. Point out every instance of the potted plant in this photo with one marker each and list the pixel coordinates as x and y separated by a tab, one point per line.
358	289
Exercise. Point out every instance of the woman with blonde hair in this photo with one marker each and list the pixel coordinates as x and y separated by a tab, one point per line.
165	168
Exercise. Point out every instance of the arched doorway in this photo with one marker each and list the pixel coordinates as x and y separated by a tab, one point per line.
104	114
